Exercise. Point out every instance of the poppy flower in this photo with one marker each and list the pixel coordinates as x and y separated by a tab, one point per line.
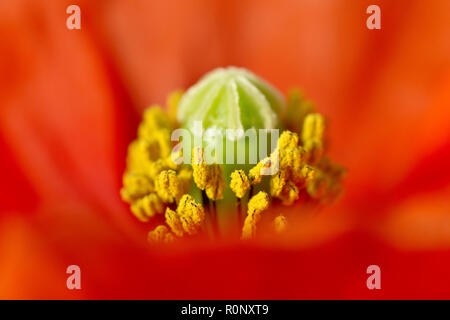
71	102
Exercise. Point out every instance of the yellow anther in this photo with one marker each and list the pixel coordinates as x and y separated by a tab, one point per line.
160	234
125	196
216	184
147	206
168	187
257	204
154	119
135	186
207	177
313	136
200	168
290	155
189	207
150	149
280	224
189	226
277	183
255	174
291	160
188	218
308	173
314	127
155	147
137	160
249	228
162	139
239	183
154	134
174	222
283	189
156	167
288	140
289	194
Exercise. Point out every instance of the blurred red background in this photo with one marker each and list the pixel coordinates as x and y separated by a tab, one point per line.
70	102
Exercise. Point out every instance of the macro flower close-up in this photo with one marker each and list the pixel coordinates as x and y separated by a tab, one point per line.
163	179
201	149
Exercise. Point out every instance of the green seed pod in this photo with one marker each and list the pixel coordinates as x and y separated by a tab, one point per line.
231	98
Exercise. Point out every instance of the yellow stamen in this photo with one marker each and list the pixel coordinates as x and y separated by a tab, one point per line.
207	177
188	218
154	119
308	173
291	155
282	188
156	167
168	187
288	140
174	222
154	134
152	178
200	168
155	147
277	183
291	160
146	207
257	204
255	173
160	234
289	194
189	207
137	160
239	183
313	136
135	186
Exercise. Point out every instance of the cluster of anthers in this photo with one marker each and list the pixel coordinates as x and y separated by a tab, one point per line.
154	185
